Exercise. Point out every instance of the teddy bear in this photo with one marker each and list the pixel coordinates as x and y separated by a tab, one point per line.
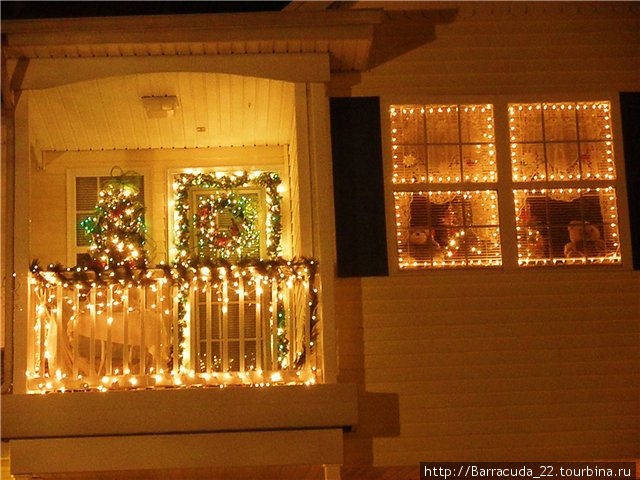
423	246
585	240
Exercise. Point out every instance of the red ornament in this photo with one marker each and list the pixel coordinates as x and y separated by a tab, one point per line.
97	265
221	242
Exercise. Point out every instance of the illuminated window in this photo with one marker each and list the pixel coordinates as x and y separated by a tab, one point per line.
444	172
447	229
567	226
561	141
442	143
562	165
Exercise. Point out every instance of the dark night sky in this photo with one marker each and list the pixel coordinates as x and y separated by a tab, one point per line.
24	10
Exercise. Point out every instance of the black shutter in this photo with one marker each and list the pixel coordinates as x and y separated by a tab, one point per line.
358	187
630	110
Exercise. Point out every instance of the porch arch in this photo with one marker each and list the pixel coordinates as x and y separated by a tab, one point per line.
39	73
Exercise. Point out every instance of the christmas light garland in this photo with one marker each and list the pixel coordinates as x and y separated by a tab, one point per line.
243	235
117	230
87	287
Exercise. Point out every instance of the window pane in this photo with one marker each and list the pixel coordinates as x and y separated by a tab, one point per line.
444	163
410	163
447	229
562	161
478	163
428	142
442	124
476	124
577	141
559	226
407	125
596	160
525	122
86	193
528	162
87	197
594	120
559	121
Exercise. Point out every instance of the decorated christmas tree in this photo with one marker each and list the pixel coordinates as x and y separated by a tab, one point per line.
117	230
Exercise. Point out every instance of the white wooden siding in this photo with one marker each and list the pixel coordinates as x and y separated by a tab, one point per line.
488	365
492	365
508	47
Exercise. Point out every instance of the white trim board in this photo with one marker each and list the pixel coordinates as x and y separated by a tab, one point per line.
202	450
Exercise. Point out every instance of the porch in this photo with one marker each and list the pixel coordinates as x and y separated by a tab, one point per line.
150	365
201	305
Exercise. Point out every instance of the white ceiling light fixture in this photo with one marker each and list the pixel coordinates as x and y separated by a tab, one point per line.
161	106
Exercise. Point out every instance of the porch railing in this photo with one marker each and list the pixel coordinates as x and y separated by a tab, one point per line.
169	328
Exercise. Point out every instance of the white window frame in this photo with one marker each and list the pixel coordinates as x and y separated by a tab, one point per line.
72	173
505	184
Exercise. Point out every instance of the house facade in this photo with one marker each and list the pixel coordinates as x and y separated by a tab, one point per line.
332	241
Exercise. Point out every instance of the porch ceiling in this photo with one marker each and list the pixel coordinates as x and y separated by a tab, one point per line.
108	114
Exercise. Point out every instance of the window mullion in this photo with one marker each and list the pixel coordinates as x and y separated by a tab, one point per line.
506	206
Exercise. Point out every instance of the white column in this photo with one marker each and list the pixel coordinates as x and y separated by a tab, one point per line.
21	241
331	472
305	197
317	141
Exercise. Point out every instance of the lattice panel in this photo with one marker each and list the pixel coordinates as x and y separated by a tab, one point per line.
447	229
561	141
442	143
567	226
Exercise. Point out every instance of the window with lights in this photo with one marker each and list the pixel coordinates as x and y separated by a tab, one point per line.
562	161
443	181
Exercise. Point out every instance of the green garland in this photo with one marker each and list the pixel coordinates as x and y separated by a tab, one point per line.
89	276
227	183
189	265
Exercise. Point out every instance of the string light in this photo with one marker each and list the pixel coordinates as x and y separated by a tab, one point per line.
117	229
576	138
239	240
539	243
285	276
442	143
565	141
457	240
445	144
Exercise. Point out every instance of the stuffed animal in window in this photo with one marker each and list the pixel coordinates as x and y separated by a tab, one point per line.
423	246
585	240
